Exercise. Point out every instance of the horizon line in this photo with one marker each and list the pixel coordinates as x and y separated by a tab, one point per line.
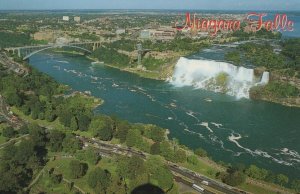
148	9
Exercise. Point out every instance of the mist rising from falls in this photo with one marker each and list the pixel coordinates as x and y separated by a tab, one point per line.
216	76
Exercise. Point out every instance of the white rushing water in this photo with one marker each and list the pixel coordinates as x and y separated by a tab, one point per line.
216	76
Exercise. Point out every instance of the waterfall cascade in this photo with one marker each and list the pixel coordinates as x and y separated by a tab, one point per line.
216	76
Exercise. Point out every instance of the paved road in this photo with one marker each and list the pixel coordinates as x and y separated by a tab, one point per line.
106	149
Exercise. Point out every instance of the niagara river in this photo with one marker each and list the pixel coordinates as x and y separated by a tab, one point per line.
231	127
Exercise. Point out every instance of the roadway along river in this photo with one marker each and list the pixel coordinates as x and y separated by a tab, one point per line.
231	130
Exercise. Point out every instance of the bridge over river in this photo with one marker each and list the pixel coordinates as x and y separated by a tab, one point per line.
28	51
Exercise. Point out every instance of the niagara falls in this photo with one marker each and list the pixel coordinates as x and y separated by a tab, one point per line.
217	76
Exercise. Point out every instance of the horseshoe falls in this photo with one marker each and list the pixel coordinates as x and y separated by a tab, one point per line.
216	76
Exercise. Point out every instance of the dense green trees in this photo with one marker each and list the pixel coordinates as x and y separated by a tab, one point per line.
282	179
12	39
139	172
123	44
23	129
290	48
155	148
159	172
275	89
296	185
133	138
192	159
77	169
263	33
157	134
13	97
256	173
234	176
200	152
135	167
90	155
263	55
8	132
38	134
74	124
102	127
71	144
19	162
122	130
99	180
180	156
178	45
83	122
234	57
55	140
130	167
111	56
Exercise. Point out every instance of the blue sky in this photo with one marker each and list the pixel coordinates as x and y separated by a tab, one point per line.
152	4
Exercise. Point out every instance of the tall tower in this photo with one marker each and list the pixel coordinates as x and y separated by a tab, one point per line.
140	52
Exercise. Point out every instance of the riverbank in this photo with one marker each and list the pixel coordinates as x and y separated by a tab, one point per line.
155	75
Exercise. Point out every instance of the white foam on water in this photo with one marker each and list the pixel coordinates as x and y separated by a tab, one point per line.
193	132
191	113
205	124
291	154
56	67
115	85
234	137
218	125
201	73
66	62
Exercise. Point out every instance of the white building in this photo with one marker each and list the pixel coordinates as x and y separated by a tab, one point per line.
158	34
120	31
77	19
66	18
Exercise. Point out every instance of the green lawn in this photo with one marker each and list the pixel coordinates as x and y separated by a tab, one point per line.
202	168
255	189
61	166
2	139
44	184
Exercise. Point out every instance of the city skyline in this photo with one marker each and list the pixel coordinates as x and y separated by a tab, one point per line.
289	5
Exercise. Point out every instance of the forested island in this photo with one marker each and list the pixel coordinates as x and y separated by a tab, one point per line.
281	61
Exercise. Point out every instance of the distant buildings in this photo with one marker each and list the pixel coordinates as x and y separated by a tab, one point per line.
66	18
145	34
77	19
120	31
158	34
